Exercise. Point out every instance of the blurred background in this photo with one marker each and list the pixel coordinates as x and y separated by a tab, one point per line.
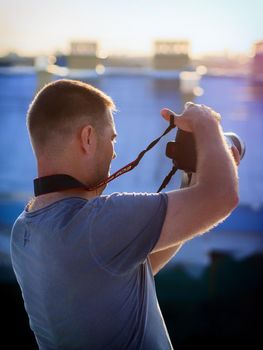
147	55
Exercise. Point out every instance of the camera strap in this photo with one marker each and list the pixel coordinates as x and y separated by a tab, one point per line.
60	182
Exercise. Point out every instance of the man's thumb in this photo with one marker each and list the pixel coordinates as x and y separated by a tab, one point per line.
166	113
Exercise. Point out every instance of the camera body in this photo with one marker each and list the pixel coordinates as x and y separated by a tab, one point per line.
183	150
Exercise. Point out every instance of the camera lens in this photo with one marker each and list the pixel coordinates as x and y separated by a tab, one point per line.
234	140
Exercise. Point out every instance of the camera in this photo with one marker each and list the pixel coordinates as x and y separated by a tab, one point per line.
183	150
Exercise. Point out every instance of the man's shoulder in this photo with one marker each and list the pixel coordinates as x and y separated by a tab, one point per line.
65	210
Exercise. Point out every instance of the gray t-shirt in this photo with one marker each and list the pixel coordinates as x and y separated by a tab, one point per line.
85	277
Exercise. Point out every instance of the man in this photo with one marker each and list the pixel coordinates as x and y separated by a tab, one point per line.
84	261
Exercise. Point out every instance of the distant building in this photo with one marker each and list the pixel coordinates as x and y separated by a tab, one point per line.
171	55
257	62
12	60
83	55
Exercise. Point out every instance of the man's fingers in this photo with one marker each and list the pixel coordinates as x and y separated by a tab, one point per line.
179	121
190	104
191	115
166	113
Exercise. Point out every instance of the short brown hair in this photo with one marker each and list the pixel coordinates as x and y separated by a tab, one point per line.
62	105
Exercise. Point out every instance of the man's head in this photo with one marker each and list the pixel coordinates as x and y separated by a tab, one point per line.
71	127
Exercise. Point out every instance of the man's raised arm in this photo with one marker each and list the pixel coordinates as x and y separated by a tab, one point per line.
194	210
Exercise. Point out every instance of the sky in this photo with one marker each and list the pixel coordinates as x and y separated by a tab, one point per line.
31	27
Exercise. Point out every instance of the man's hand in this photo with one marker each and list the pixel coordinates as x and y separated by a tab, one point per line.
192	115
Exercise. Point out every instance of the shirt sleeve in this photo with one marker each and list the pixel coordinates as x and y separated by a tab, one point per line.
126	228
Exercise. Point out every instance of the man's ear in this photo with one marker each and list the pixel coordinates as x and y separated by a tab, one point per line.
88	139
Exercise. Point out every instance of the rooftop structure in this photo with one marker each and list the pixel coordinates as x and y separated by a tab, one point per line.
257	63
83	55
171	55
